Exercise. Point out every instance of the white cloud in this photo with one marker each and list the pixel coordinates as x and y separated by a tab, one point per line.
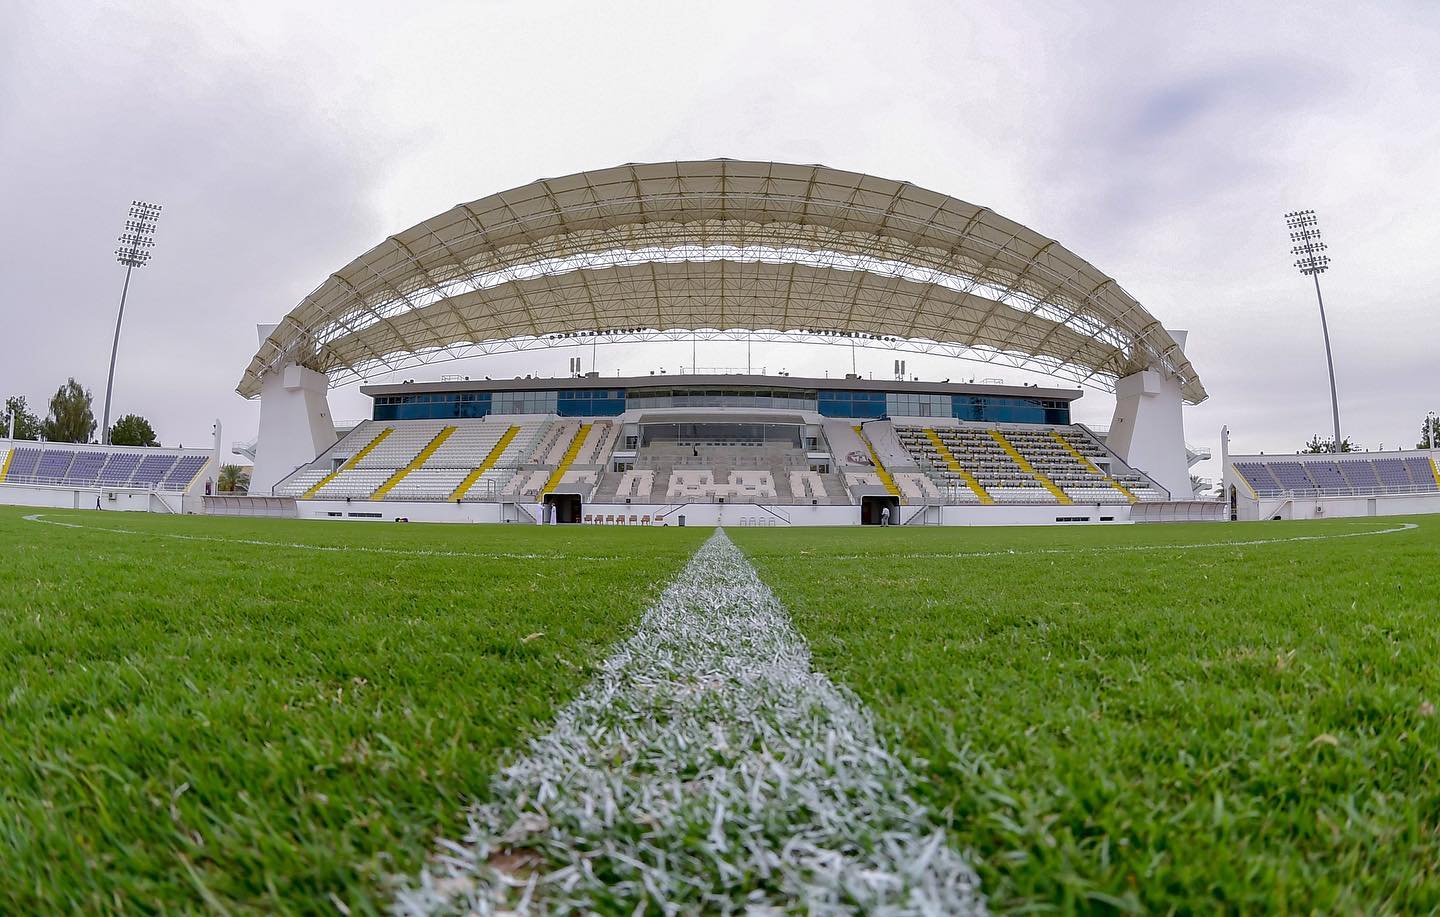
1161	141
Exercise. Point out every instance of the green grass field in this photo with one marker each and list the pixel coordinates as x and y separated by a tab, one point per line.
258	715
1247	728
192	725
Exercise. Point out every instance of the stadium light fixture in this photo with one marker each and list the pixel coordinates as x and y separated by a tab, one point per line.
1312	261
134	251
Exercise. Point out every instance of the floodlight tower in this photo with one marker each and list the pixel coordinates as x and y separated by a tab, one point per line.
135	243
1305	232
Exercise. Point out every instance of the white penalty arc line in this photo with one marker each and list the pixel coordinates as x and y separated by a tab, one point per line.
327	548
1099	549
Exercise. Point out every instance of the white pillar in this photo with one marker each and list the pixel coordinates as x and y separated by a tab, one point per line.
213	476
295	425
1148	430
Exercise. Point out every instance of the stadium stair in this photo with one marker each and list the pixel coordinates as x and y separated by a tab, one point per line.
566	461
354	460
416	462
880	471
5	468
1092	467
950	460
1434	469
1060	496
490	460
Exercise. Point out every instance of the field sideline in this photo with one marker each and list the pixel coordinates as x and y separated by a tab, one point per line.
256	714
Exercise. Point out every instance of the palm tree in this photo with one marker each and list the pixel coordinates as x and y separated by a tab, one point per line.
233	478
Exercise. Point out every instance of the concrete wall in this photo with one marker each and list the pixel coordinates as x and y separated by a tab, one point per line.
295	425
1337	507
728	514
128	501
1147	430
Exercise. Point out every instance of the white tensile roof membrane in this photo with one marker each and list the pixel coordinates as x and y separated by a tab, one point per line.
722	245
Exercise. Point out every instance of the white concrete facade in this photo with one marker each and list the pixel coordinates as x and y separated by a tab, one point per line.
129	501
727	514
1247	505
1147	430
295	425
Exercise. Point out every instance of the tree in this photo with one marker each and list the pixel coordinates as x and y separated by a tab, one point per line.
27	425
233	478
1318	446
71	419
1429	432
133	430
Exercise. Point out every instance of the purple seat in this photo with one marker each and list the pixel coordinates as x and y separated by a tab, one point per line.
53	465
1259	478
86	468
1361	475
118	468
1393	475
1328	478
1422	475
184	472
152	470
23	465
1292	477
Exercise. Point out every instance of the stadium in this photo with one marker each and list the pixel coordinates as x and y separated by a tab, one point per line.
723	250
720	639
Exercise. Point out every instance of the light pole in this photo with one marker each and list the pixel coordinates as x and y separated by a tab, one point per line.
1311	260
135	242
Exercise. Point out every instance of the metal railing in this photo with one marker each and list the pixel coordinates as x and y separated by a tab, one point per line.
1395	490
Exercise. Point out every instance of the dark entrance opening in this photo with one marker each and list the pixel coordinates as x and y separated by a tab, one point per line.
872	509
564	507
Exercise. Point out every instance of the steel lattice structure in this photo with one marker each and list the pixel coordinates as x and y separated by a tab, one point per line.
722	249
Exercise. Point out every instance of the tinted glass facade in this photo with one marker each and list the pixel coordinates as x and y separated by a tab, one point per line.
852	404
784	398
613	402
998	409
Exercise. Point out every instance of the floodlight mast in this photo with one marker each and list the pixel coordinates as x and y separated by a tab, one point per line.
135	242
1304	229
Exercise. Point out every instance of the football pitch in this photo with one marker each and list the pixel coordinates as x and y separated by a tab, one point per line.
265	715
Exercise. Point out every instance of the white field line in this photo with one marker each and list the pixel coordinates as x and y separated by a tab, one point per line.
707	769
328	548
1109	549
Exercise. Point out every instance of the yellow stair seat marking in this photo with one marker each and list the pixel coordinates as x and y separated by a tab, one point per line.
416	462
880	471
350	464
5	468
486	465
1434	469
1025	466
954	464
1092	467
566	461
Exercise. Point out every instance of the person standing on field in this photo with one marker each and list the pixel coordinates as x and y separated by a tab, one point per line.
884	515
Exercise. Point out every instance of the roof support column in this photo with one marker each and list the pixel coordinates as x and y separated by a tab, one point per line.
1147	430
295	423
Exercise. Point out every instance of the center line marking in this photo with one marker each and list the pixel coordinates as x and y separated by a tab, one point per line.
707	768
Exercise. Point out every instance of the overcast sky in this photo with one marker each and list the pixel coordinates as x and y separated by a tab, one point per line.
1161	141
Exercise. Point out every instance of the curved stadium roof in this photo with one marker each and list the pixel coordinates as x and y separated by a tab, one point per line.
722	245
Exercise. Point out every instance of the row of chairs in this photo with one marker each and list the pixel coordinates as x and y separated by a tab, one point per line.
621	519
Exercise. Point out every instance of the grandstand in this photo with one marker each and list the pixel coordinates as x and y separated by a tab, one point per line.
723	250
762	449
116	477
1332	484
